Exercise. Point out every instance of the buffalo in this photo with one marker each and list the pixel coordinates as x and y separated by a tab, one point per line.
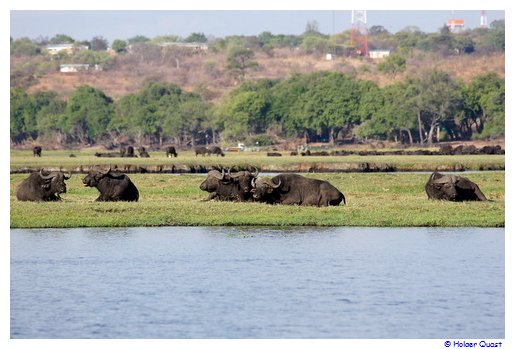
107	155
452	188
201	150
215	150
170	151
112	186
127	152
143	152
42	186
294	189
36	151
229	186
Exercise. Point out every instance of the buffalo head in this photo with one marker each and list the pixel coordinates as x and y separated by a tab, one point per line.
54	182
262	187
212	182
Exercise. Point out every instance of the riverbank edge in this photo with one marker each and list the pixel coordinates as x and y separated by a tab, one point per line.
301	167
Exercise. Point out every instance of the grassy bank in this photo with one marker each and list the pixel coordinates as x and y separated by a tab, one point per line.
187	159
373	199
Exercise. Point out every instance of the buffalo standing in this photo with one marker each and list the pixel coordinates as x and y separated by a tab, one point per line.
41	186
452	188
170	151
36	151
112	186
294	189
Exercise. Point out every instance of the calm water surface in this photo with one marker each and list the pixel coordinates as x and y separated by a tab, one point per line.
257	283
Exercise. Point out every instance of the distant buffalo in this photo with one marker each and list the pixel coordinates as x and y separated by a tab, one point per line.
127	152
452	188
111	185
294	189
170	151
201	150
108	155
36	151
143	152
215	150
42	186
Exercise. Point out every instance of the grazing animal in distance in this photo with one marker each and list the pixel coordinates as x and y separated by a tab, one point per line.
170	151
36	151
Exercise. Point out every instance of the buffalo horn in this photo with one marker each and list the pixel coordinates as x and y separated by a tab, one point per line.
51	175
107	171
231	174
219	176
255	173
253	182
275	185
442	180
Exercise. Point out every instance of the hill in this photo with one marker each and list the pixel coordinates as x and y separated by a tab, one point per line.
207	73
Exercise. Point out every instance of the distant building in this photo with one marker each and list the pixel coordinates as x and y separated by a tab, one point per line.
75	68
197	46
68	48
378	54
456	25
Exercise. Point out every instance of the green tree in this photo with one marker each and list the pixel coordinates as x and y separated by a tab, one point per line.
439	99
485	103
61	39
24	47
119	46
99	43
138	39
196	37
393	64
88	113
240	61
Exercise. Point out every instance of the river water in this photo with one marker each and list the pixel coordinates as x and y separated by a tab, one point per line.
205	282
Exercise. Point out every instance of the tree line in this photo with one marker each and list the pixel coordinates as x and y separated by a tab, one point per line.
324	106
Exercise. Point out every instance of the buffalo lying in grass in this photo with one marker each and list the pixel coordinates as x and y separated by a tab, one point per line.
294	189
42	186
452	188
229	186
112	186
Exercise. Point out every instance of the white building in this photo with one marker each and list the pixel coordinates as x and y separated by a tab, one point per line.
378	54
73	68
68	48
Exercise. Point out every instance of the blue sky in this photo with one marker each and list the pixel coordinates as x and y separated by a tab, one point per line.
118	24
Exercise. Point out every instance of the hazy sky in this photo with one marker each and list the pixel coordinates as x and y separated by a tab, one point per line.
84	25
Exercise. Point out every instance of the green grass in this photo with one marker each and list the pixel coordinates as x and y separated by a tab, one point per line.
373	199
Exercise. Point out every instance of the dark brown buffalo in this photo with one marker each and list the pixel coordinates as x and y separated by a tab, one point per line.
36	151
170	151
215	150
113	186
42	186
201	150
452	188
294	189
229	186
108	155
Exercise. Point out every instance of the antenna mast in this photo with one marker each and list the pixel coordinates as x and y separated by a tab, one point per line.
483	22
359	32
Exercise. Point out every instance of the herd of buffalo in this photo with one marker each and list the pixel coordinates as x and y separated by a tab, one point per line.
229	185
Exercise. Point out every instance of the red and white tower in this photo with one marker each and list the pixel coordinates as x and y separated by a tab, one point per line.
483	21
359	32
